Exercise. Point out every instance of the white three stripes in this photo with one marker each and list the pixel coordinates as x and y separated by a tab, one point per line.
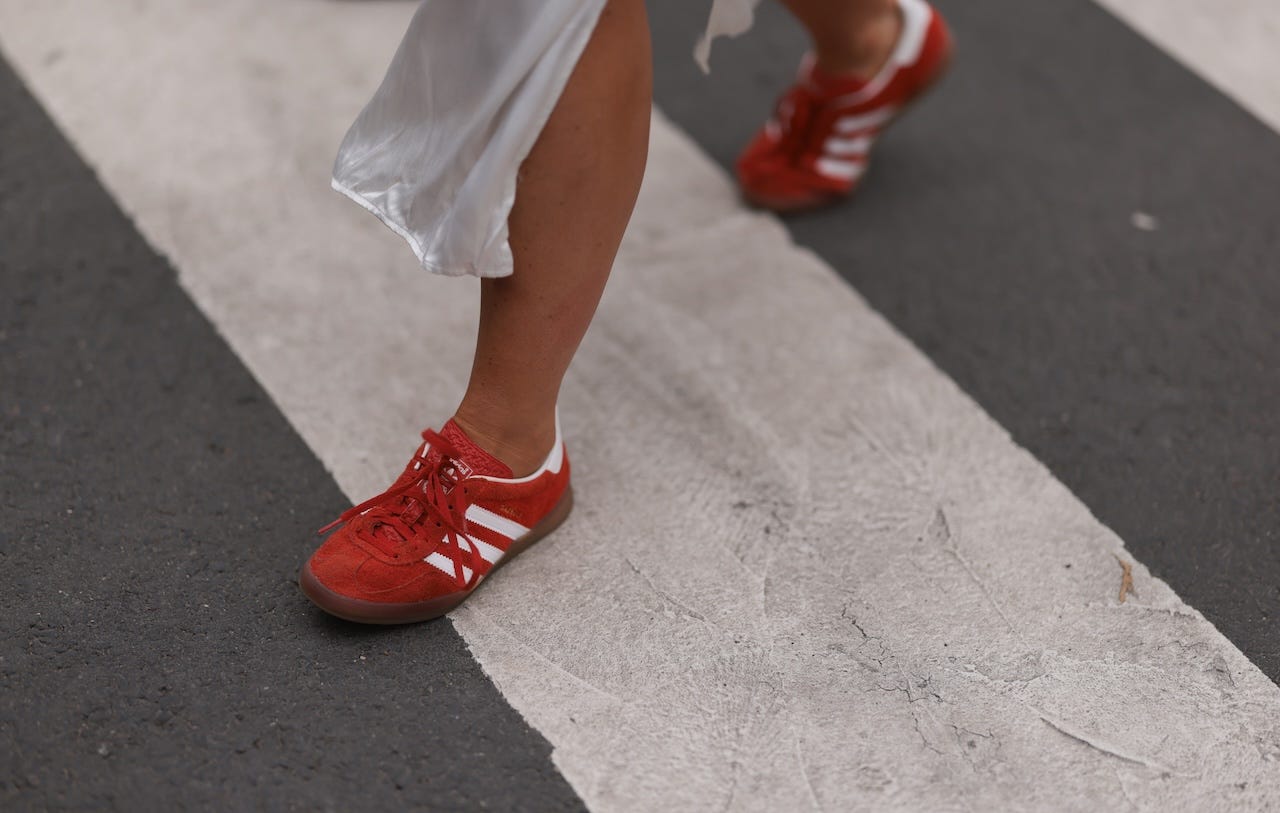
495	522
845	154
508	529
865	121
860	145
841	170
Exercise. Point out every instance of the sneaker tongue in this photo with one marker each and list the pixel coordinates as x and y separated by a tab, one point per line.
471	459
472	456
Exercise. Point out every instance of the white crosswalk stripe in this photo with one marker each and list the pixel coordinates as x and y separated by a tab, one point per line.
850	573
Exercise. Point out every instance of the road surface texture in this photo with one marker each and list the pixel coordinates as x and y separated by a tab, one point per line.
856	490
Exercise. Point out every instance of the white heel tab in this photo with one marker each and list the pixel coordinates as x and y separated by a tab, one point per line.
915	25
553	463
916	15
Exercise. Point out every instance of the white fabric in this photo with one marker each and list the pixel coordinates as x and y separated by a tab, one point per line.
729	18
435	152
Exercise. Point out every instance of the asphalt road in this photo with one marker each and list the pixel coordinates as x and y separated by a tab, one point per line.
1084	245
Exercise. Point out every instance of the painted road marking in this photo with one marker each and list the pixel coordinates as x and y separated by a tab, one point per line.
1231	43
851	589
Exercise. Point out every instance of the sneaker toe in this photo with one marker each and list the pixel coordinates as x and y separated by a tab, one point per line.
760	158
787	190
343	566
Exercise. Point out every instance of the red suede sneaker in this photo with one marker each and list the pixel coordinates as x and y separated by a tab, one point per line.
815	148
421	547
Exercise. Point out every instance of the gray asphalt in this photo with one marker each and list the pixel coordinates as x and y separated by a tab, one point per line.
155	652
994	230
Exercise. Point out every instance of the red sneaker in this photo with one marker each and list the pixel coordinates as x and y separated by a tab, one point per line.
815	148
421	547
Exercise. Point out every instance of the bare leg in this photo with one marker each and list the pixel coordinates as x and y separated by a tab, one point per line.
574	198
853	37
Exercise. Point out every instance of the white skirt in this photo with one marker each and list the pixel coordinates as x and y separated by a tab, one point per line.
435	152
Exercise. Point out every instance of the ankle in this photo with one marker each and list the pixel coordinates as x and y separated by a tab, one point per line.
522	446
860	52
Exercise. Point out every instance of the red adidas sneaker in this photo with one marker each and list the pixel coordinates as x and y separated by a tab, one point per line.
421	547
815	148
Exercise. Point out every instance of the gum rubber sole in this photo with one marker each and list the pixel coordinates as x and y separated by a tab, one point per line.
376	612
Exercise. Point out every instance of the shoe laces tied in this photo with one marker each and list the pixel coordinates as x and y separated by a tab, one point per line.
795	115
431	491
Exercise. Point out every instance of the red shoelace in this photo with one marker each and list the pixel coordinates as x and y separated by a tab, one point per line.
430	493
795	113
